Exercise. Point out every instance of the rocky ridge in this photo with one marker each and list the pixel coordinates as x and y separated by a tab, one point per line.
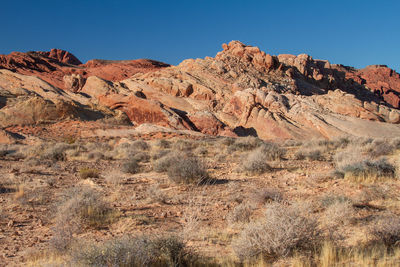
242	91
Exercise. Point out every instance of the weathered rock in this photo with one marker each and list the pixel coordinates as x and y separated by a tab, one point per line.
74	82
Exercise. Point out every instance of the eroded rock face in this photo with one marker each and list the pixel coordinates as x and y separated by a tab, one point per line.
63	70
241	91
382	81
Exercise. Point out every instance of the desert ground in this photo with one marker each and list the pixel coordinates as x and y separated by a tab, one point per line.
197	200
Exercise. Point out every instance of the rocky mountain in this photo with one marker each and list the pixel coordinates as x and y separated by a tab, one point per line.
241	91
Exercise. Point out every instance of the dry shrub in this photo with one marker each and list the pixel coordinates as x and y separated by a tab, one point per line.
313	153
336	216
255	162
134	251
245	144
140	145
272	151
283	230
184	145
131	166
114	177
55	152
187	170
128	150
95	155
379	147
375	192
156	194
331	199
267	195
339	213
162	143
79	208
88	173
226	141
241	213
157	154
386	229
201	151
320	149
164	162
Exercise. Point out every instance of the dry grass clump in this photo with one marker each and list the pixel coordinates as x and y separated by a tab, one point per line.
89	173
386	229
364	255
134	251
368	170
187	170
255	162
130	166
282	231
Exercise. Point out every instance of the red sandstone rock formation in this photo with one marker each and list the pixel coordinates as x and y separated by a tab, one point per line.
241	91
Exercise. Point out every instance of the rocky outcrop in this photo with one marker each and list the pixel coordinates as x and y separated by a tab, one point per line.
380	79
63	70
242	91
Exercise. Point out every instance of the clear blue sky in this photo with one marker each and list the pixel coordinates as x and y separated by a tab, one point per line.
355	33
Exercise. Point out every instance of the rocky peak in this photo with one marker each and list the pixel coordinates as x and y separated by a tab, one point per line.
61	56
249	54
